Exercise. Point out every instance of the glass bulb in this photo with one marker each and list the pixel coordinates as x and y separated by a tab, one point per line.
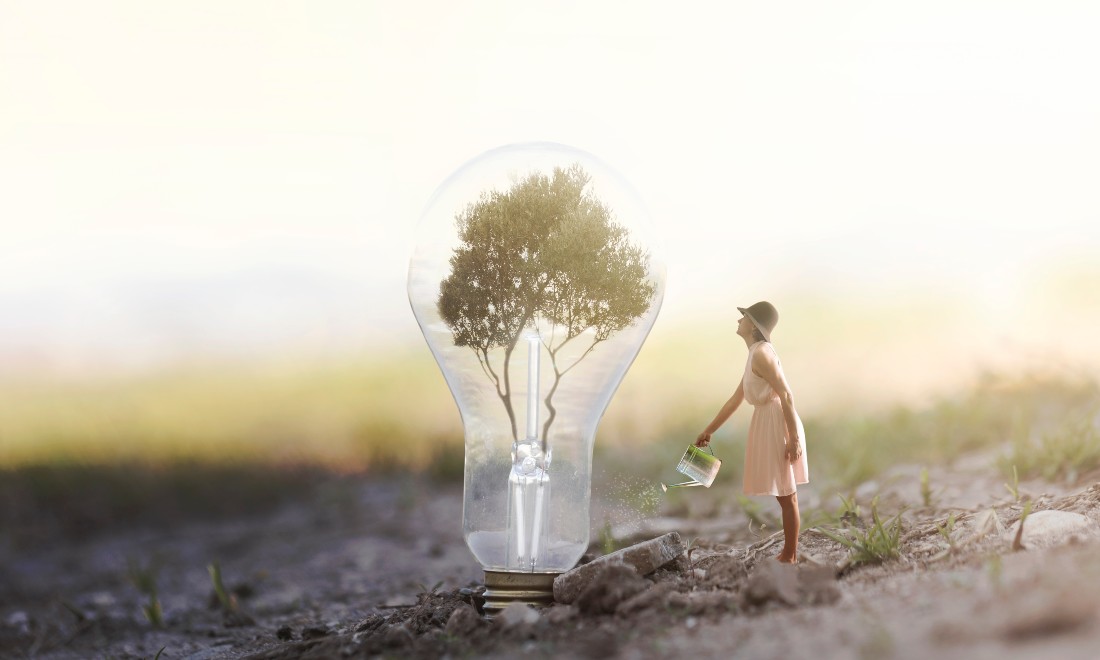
535	279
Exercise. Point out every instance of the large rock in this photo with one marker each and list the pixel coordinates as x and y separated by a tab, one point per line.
645	557
1043	529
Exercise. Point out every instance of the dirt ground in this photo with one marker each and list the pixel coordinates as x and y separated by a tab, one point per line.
378	567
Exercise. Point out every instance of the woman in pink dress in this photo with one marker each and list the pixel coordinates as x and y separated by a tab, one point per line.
775	455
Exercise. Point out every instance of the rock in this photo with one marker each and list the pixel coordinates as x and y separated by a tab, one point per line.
644	557
516	614
463	621
1044	529
610	587
772	581
284	633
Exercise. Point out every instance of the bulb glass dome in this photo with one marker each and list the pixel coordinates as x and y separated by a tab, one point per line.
535	279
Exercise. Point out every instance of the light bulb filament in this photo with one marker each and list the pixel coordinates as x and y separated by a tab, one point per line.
533	387
529	480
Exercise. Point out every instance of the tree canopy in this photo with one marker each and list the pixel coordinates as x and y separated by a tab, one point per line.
545	252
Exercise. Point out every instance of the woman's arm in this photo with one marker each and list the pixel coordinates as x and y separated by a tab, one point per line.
728	409
766	365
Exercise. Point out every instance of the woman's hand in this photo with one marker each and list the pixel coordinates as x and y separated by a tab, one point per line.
703	440
794	450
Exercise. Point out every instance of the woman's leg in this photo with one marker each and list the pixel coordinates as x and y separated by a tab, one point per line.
791	522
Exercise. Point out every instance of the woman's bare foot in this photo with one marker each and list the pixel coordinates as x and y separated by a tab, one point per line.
783	559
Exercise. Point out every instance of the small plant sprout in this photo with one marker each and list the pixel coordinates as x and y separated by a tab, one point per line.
925	488
429	591
607	539
1014	489
849	509
228	600
145	579
946	530
1017	543
692	547
1064	453
878	543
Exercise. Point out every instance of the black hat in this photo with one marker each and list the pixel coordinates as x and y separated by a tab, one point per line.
763	316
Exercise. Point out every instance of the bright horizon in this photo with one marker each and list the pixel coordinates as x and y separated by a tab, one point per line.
208	181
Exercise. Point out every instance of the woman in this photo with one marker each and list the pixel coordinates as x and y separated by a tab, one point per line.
775	456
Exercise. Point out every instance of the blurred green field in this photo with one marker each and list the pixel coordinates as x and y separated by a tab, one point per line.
222	439
396	415
346	417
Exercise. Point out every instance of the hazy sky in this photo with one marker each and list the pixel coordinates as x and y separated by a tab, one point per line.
224	177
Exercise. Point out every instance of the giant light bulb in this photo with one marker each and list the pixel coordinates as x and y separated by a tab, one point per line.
535	280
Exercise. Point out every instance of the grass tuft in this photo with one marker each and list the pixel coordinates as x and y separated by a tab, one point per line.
144	578
1065	453
228	600
878	543
925	488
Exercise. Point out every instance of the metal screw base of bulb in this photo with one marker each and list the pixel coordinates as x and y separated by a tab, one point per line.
504	587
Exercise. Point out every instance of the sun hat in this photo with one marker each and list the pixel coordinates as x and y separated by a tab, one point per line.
763	315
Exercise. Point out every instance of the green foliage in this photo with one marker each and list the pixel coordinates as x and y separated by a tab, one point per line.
144	578
1061	454
227	600
545	252
878	543
1014	489
849	508
607	539
947	529
1000	407
1017	542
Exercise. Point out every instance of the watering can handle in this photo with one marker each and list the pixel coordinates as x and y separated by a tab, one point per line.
709	450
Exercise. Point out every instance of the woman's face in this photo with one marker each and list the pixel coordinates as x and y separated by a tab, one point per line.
745	327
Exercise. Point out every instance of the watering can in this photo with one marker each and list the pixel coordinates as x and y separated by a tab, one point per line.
701	467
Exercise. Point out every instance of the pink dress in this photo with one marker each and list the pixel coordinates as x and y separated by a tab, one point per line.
767	470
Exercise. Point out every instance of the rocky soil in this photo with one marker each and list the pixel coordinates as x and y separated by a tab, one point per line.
378	568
